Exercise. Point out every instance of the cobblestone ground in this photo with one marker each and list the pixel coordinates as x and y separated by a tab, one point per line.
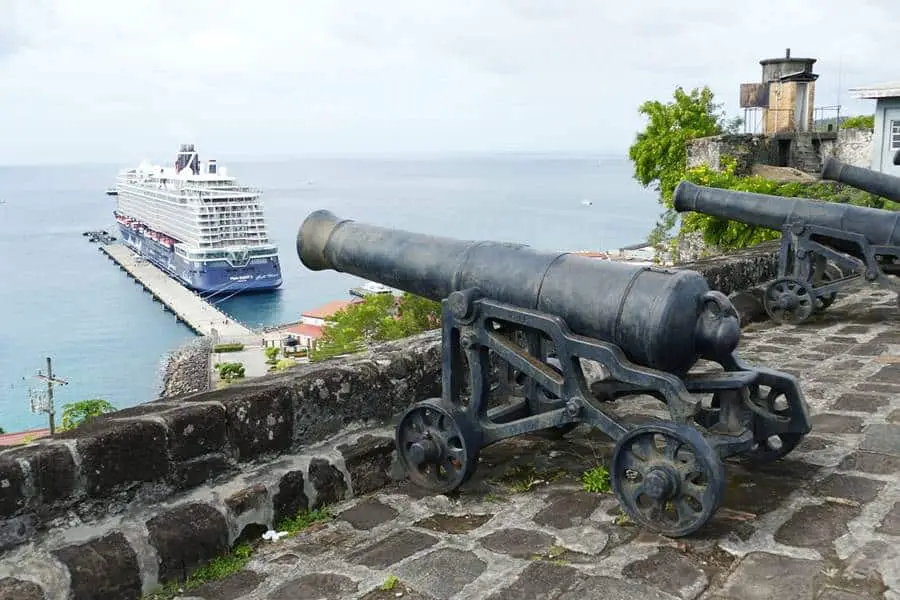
822	524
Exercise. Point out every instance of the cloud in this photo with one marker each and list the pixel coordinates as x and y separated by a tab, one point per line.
118	81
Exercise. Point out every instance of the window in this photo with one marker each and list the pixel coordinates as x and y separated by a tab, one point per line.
895	135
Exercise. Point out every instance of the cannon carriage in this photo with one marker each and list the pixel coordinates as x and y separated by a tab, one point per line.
540	314
825	246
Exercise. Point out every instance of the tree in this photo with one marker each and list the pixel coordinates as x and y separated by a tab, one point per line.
78	413
659	153
378	318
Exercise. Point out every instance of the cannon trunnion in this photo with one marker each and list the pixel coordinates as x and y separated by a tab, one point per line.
825	246
539	314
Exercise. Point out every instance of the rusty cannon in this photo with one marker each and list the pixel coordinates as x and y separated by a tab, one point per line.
825	246
880	184
541	313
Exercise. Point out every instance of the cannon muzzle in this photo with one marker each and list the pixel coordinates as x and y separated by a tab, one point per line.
660	319
879	227
880	184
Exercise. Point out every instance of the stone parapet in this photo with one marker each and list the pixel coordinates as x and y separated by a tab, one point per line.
146	454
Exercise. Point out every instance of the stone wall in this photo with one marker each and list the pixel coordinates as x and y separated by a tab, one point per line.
738	271
747	149
852	146
150	493
152	451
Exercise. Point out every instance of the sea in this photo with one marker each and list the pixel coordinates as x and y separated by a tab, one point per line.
61	298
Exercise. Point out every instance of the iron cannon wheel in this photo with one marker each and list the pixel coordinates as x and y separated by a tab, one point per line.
787	300
831	273
437	446
667	478
779	445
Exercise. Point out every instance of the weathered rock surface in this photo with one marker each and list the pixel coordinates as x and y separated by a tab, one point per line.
185	370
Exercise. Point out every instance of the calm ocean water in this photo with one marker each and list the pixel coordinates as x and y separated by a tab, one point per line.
60	297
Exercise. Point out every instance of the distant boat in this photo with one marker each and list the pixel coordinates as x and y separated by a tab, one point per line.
198	224
112	192
587	202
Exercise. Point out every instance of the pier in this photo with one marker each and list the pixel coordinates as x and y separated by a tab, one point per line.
187	306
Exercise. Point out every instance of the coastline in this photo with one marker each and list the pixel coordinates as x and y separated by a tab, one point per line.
186	369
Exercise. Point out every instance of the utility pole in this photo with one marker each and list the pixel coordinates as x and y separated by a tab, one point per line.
51	381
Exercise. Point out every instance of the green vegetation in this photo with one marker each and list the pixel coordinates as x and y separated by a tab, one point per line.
304	519
229	564
218	568
596	480
228	347
378	318
283	364
78	413
271	353
859	122
390	583
228	372
659	155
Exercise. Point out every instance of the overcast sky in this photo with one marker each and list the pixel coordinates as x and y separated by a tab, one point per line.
121	80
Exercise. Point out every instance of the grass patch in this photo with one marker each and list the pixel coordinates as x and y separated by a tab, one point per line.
218	568
390	583
596	480
622	519
229	564
304	519
282	364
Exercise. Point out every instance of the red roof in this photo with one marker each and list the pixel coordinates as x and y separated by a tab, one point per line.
323	312
14	439
305	329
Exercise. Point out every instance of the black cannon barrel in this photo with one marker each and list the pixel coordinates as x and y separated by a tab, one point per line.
880	227
880	184
654	315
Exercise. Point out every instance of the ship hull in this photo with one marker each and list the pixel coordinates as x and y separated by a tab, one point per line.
219	277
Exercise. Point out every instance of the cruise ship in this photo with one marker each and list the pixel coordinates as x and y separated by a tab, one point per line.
198	225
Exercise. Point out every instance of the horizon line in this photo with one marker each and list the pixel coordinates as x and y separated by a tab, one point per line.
429	155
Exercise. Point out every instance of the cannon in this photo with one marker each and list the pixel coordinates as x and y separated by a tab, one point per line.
542	313
825	246
880	184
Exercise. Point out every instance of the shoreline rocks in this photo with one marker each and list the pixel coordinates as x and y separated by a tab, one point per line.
185	370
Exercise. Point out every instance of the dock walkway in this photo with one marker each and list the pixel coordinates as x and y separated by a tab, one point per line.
188	307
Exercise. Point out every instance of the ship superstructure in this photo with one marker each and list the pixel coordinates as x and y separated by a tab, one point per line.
197	224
